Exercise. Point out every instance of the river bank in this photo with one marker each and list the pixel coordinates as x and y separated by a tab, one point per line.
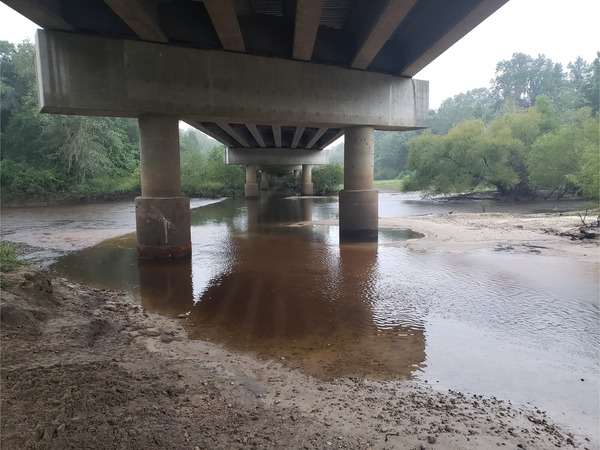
87	368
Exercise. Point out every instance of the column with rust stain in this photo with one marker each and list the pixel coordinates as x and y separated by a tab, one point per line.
162	213
359	207
307	185
251	187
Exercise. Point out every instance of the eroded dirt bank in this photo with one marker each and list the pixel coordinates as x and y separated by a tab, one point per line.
86	368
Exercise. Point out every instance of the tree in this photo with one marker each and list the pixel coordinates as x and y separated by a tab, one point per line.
587	178
327	178
554	156
17	78
585	80
391	151
477	104
520	80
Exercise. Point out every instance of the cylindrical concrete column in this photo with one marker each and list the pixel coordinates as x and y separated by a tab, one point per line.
359	207
251	186
162	213
264	180
307	185
159	155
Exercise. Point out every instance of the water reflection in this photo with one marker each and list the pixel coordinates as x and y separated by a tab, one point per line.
266	280
166	286
298	298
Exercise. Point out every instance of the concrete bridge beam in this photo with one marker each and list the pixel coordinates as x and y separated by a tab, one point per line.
162	213
307	185
359	206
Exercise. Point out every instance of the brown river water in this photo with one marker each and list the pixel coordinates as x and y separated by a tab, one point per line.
517	327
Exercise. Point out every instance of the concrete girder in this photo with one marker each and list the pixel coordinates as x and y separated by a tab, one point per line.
39	13
256	134
139	19
234	134
97	76
277	135
308	17
275	157
389	20
313	140
477	15
224	19
297	136
331	139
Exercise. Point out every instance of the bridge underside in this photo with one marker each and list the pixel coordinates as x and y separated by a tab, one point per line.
276	81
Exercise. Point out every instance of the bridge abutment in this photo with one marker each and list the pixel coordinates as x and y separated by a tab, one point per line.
162	213
359	205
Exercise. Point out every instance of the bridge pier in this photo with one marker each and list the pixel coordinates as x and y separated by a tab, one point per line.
251	189
307	185
359	205
162	214
264	180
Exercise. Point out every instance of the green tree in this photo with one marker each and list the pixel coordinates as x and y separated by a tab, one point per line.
477	104
587	178
554	156
391	151
520	80
327	178
17	78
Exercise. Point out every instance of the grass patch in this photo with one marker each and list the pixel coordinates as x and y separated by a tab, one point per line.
388	185
8	260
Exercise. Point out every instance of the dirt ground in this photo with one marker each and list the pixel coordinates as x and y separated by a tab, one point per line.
85	368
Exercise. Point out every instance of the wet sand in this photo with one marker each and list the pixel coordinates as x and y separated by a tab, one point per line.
85	368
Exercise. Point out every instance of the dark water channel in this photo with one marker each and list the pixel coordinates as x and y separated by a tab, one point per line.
263	279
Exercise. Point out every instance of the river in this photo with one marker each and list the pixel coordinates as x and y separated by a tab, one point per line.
518	327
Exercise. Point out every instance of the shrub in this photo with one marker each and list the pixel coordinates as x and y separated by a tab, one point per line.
328	178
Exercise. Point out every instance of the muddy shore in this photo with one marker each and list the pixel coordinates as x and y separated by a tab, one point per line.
87	368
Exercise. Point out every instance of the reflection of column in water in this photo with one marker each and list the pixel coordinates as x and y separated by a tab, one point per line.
307	207
252	209
393	353
357	266
166	286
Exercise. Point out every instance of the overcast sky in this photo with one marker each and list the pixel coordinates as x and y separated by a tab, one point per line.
558	29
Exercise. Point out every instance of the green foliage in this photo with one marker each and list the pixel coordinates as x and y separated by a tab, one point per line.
52	157
587	178
389	185
336	154
327	178
8	260
192	140
208	176
391	151
477	104
523	151
554	156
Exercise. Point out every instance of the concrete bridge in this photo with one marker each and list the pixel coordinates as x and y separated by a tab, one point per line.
276	81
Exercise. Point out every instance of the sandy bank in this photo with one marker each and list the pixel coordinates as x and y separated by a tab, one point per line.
85	368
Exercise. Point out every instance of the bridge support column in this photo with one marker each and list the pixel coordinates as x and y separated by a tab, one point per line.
251	187
359	206
264	181
162	214
307	186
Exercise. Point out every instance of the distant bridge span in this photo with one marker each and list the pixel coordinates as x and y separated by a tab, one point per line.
265	77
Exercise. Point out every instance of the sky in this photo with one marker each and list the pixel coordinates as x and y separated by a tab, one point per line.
560	30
